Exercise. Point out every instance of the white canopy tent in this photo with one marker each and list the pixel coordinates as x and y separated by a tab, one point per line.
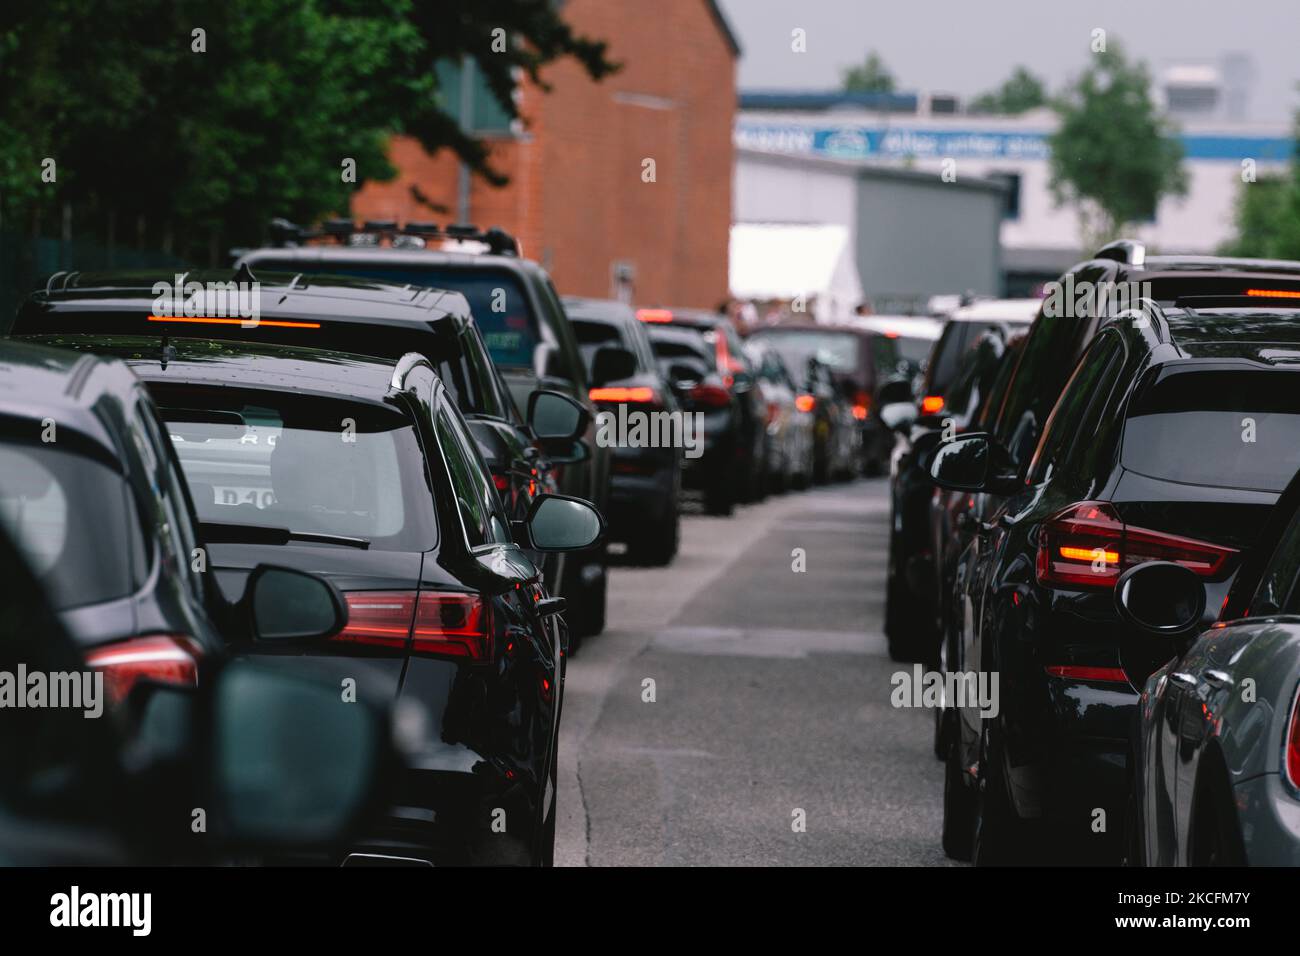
784	261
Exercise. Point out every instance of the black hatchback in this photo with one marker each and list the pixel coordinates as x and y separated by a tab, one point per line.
363	471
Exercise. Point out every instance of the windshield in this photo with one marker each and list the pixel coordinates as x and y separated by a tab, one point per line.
309	466
74	521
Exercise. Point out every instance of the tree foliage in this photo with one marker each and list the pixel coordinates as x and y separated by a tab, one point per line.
1020	92
165	142
871	76
1268	214
1113	155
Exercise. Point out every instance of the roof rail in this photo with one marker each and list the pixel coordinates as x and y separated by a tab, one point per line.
49	283
498	241
1129	251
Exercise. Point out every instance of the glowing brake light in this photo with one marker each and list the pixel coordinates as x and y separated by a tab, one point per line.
862	405
445	623
1087	545
160	657
638	393
805	403
1274	293
655	315
1085	672
250	323
931	404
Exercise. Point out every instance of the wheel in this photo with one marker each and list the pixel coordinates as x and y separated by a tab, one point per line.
720	496
1000	837
587	615
1215	840
656	544
958	809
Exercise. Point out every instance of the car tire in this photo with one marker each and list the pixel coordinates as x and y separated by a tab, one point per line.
720	496
999	837
656	543
958	809
587	617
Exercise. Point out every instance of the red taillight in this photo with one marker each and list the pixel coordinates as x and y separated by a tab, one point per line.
932	405
805	403
1084	672
438	622
160	657
1087	545
861	405
378	618
655	315
501	481
635	395
455	625
1293	745
712	395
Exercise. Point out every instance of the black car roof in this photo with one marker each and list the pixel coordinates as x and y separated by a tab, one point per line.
598	310
324	255
38	382
282	295
253	365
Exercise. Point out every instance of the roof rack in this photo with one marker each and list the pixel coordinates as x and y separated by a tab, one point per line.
349	232
1129	251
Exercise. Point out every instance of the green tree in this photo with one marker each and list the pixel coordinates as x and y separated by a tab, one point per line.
1021	91
871	76
1113	156
163	145
1268	214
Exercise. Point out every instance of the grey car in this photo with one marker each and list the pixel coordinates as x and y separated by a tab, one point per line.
1217	767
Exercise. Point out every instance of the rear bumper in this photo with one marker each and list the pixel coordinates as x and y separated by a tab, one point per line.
642	485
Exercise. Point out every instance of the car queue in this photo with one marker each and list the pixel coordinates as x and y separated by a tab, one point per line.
391	478
1109	540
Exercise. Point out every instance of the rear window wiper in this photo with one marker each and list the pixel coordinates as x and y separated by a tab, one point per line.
223	532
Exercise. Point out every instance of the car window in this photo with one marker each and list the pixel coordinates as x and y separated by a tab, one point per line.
74	520
1084	393
954	342
592	336
839	350
1221	428
481	512
998	389
1279	585
469	376
978	366
312	466
178	528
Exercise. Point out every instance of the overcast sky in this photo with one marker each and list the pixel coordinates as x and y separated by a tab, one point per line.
967	46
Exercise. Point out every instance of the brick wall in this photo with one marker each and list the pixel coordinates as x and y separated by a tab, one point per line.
576	197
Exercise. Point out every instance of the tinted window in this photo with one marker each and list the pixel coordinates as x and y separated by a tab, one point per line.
974	377
953	344
481	513
595	335
1228	429
839	350
73	519
997	391
1085	393
1277	591
913	350
309	465
682	347
496	300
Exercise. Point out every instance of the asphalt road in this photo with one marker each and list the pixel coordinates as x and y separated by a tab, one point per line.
771	696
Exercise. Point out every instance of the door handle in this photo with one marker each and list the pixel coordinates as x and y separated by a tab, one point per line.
1182	679
1216	678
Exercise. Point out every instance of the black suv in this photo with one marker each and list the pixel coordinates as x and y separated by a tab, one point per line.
522	321
1171	440
646	479
361	469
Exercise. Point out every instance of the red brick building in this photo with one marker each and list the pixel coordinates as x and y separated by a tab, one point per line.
576	197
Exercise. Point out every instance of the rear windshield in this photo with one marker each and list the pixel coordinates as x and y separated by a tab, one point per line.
1227	429
262	459
945	359
595	335
682	347
913	350
839	350
74	520
496	300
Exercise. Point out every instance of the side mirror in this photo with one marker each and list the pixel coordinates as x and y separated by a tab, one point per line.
554	416
611	364
1160	597
287	761
560	523
285	604
974	463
